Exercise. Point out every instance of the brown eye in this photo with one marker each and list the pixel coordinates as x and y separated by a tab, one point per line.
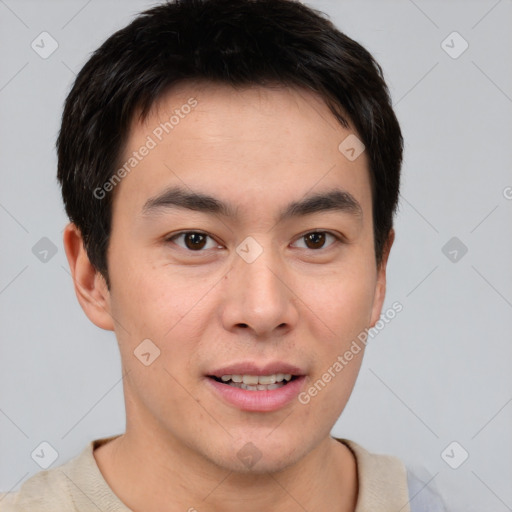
192	240
315	240
195	240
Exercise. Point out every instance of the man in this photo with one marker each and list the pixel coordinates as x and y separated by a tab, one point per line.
230	169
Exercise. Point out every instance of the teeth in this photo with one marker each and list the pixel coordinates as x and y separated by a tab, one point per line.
250	379
255	380
267	379
259	387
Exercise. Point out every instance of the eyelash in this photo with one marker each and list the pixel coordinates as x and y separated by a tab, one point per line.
338	239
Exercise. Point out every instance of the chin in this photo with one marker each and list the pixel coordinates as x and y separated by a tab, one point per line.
259	454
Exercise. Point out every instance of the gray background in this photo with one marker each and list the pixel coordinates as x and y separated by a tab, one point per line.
438	373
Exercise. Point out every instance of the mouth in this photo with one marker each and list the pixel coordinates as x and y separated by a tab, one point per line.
256	382
248	387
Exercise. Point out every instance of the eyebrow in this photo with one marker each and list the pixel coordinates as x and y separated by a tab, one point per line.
176	197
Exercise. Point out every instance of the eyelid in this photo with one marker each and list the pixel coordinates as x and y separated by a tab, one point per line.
171	238
339	238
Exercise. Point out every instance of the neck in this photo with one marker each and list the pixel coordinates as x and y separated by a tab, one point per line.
325	479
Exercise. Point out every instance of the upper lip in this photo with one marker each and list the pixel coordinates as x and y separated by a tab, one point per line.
251	368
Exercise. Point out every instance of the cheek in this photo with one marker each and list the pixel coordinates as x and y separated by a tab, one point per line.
156	315
152	301
345	312
343	301
169	309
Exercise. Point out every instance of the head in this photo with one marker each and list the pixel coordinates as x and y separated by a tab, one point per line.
239	112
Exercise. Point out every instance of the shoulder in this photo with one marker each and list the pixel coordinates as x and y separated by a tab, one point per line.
385	483
44	491
74	485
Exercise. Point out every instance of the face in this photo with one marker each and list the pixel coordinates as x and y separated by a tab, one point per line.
274	275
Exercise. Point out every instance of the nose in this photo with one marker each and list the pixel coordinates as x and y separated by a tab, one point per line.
258	298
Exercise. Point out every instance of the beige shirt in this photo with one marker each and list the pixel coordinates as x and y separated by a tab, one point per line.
79	486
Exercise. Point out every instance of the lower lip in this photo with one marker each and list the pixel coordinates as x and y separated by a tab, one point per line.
260	401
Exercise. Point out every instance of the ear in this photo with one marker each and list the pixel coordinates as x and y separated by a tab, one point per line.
90	286
380	287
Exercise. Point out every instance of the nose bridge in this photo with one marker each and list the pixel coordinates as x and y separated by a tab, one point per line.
258	297
257	266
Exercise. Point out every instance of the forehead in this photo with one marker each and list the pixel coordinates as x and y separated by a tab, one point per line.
250	146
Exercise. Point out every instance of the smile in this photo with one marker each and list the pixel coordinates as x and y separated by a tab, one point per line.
256	382
256	397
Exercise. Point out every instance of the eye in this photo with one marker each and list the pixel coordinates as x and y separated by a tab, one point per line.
193	240
316	239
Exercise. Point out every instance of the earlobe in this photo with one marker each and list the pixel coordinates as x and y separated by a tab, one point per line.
380	288
90	286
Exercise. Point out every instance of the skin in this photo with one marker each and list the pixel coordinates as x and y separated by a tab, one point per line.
258	149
